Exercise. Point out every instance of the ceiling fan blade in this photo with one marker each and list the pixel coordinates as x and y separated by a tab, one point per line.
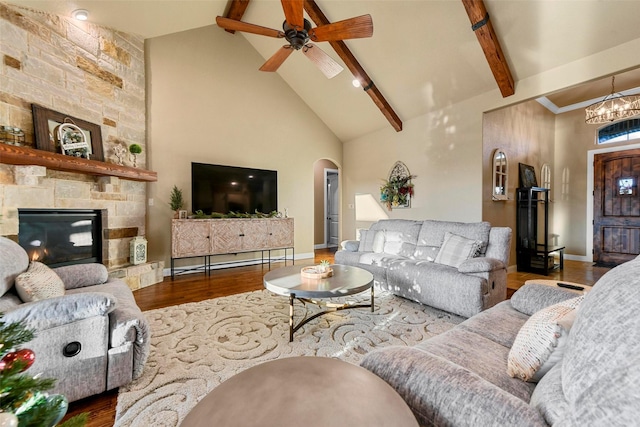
277	59
232	24
293	13
352	28
324	62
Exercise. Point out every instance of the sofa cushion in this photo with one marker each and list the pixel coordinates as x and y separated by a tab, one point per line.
456	249
432	232
39	282
363	240
479	355
500	323
13	261
548	397
409	230
541	341
392	242
600	374
378	242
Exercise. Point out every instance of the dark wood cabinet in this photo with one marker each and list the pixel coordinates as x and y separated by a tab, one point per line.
534	251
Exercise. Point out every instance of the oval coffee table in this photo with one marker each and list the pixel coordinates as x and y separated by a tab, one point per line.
346	280
302	391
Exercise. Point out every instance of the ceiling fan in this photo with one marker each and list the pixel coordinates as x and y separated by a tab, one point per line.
298	32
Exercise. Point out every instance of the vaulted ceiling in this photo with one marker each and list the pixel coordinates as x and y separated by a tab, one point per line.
423	55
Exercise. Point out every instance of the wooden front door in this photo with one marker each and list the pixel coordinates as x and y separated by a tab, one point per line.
616	206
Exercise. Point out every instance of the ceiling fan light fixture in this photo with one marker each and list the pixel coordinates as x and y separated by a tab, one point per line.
613	107
80	14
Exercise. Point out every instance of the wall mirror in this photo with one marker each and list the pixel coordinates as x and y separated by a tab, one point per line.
500	174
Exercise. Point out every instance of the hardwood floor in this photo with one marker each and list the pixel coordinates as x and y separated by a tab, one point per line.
198	287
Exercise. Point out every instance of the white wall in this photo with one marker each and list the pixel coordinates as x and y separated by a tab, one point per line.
207	102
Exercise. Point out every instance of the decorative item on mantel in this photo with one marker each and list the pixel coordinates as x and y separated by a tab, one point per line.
135	149
138	250
11	135
73	141
119	150
396	192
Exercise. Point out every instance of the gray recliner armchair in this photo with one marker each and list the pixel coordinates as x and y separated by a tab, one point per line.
92	339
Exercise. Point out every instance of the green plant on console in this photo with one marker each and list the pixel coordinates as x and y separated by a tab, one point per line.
216	215
175	199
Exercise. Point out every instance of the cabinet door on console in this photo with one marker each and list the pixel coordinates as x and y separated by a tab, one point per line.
255	234
281	233
190	238
227	236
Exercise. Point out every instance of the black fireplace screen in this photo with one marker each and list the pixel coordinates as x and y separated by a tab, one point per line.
61	237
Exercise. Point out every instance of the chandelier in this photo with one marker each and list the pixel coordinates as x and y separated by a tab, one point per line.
613	107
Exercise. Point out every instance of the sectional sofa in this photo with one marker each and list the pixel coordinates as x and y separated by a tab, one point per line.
542	358
453	266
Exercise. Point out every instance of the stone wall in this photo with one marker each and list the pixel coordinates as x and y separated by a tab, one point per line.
93	73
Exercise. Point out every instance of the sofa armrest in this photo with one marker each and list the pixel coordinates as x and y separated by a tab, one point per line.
534	297
440	392
52	312
350	245
480	265
81	275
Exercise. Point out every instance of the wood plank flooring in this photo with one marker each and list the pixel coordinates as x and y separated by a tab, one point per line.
198	287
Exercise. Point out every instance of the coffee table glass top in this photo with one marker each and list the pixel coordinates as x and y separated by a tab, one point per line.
346	280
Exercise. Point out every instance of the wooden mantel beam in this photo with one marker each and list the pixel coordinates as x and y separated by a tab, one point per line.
354	66
236	11
488	39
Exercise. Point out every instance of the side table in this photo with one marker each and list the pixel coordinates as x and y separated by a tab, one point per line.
546	282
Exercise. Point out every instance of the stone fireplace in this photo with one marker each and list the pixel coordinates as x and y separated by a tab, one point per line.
121	204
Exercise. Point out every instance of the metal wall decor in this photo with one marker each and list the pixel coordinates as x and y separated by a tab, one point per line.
396	192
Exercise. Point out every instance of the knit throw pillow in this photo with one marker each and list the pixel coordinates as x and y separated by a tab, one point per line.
540	343
456	249
38	282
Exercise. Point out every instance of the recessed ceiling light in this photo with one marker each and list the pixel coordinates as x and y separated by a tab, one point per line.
81	14
355	83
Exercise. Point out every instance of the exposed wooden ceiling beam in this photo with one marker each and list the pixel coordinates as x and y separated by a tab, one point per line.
236	11
481	25
354	66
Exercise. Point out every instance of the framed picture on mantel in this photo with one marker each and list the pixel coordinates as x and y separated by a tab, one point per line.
45	125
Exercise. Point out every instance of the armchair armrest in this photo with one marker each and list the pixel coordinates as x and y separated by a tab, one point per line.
81	275
350	245
51	312
480	265
534	297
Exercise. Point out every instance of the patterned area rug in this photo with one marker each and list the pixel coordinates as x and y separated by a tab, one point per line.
196	346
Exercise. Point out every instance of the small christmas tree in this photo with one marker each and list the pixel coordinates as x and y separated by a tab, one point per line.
23	400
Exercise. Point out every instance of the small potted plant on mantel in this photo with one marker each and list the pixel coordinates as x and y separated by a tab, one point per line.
176	201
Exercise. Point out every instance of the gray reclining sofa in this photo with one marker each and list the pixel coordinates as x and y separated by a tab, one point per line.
405	258
459	378
91	339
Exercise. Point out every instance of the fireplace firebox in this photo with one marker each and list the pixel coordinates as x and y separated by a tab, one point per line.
59	237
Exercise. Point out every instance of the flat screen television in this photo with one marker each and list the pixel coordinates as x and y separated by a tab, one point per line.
224	189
